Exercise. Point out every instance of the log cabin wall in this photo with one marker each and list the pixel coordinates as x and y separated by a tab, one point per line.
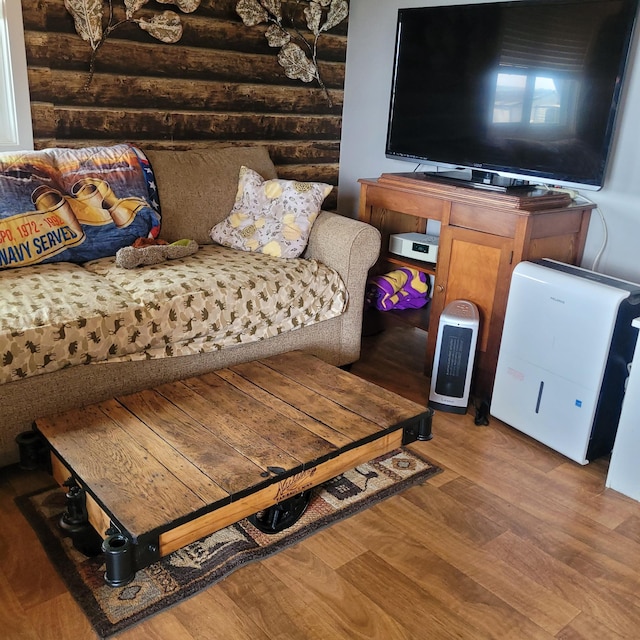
219	85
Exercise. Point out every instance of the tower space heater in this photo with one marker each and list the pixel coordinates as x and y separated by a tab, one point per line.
565	354
454	357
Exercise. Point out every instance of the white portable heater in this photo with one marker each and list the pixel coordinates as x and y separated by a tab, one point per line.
454	357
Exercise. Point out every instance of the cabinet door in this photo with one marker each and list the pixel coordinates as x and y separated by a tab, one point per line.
473	266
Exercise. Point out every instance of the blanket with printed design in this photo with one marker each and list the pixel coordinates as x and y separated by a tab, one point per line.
63	314
74	205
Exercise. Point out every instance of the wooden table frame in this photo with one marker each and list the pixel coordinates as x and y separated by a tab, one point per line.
283	425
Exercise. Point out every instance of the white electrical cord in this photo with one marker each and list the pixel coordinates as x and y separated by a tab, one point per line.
605	237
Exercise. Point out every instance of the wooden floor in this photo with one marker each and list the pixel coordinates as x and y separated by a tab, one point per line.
512	541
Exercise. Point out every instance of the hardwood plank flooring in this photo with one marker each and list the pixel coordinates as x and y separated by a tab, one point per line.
512	541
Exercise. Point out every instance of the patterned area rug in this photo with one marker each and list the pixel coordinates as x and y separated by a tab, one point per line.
203	563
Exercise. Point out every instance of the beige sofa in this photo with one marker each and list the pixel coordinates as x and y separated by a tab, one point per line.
196	190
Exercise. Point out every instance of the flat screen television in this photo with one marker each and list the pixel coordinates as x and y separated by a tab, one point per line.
511	92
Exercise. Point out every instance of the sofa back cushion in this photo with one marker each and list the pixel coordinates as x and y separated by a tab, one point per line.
197	188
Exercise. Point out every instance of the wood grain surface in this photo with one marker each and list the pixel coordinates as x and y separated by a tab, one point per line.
220	84
511	541
188	458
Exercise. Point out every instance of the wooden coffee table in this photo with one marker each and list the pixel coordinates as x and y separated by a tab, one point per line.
167	466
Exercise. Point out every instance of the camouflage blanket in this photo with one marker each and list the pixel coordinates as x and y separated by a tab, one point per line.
59	315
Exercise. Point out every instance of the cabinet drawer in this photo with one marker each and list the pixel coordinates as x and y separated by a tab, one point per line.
476	218
415	204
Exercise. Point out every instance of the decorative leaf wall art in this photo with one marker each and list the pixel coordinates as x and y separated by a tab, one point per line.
95	21
298	54
89	19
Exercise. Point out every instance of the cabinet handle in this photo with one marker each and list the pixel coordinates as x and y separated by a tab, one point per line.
440	288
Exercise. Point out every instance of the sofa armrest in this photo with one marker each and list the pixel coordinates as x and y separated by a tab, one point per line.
351	247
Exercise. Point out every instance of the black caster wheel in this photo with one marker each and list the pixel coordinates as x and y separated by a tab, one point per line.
282	515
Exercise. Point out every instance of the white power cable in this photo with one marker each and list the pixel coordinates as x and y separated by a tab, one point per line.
605	238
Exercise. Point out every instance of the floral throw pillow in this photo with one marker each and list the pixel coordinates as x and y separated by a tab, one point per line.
271	216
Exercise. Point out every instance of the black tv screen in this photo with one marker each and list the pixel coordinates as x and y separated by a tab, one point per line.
528	90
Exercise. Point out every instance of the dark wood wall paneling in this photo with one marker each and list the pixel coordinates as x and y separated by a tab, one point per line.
219	85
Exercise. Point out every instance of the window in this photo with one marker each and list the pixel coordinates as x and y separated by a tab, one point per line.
15	106
530	98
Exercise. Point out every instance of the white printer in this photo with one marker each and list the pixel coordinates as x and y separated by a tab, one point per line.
565	356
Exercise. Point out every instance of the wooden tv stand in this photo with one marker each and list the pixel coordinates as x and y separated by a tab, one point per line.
483	235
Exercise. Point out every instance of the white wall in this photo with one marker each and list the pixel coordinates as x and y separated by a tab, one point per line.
366	101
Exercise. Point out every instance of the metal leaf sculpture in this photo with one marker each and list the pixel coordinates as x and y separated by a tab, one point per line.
89	19
298	58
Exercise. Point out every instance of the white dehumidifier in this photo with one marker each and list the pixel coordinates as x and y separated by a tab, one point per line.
454	357
566	349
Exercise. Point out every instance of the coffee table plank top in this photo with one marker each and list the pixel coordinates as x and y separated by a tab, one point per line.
261	422
170	459
327	433
355	406
193	477
321	409
210	450
375	403
118	466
